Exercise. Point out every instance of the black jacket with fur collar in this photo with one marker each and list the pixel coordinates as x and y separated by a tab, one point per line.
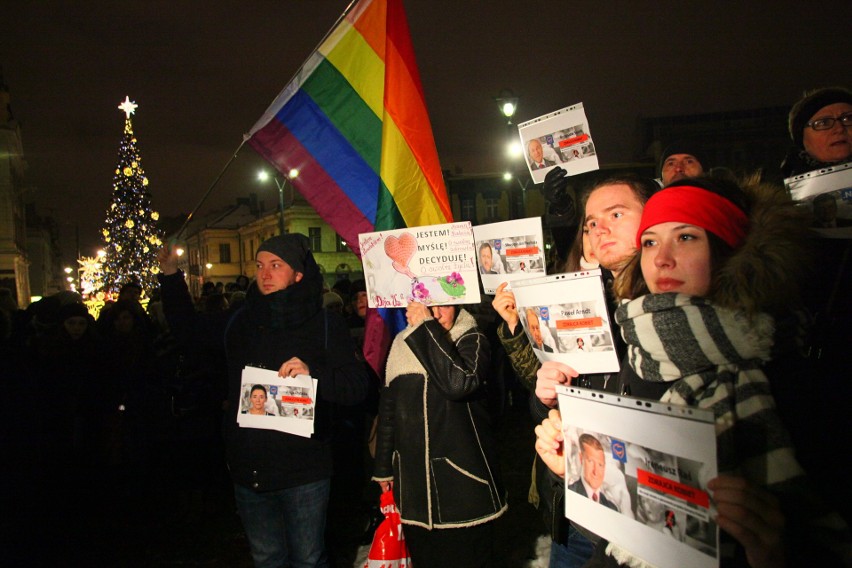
435	437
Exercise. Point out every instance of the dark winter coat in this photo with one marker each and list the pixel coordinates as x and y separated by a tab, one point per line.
266	332
435	437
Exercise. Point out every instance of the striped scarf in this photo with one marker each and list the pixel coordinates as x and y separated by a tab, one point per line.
713	358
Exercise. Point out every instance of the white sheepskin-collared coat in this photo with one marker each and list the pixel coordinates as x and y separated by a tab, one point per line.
434	437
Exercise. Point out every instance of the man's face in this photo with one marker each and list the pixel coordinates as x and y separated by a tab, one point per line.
273	274
535	328
834	144
594	466
613	213
485	258
679	166
536	152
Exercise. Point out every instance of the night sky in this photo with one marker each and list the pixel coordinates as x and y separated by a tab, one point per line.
202	74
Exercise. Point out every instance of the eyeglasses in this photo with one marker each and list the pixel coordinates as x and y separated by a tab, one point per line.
828	122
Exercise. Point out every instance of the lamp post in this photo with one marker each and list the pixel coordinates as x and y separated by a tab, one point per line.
507	102
264	176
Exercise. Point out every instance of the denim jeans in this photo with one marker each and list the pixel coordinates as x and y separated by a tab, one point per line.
285	527
576	551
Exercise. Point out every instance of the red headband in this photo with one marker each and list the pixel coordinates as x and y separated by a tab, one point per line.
695	206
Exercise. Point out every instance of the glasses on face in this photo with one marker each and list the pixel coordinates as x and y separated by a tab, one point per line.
828	122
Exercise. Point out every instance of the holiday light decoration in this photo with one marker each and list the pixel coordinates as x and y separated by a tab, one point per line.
130	226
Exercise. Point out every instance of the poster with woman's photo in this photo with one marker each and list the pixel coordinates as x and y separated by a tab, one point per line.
270	402
636	474
565	319
827	194
560	138
509	251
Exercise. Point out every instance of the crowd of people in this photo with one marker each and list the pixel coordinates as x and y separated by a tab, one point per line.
724	297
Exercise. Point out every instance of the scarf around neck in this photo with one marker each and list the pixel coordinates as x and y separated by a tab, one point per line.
674	337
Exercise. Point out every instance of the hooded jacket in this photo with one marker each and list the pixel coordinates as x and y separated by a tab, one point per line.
434	437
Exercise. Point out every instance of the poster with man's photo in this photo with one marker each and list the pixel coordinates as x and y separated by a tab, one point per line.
270	402
827	193
509	251
636	473
565	319
560	138
434	265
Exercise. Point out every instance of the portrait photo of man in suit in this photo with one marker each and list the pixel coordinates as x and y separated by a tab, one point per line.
593	463
537	159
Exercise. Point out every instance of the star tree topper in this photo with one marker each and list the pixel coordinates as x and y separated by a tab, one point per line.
128	106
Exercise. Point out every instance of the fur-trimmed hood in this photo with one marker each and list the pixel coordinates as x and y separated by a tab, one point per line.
765	273
402	361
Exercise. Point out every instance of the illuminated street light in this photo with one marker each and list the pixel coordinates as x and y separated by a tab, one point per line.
264	176
507	176
209	266
180	252
508	104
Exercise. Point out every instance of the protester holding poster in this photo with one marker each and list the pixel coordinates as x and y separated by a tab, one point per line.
281	480
434	412
696	237
611	210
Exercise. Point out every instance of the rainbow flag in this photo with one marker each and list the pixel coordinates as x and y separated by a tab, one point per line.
353	121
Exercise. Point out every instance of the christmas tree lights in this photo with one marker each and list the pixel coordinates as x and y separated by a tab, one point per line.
131	236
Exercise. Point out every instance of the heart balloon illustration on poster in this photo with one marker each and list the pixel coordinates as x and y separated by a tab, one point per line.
400	250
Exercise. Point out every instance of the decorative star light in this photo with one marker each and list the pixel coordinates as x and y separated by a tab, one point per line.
128	106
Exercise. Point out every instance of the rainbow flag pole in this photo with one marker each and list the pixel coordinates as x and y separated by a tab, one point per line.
353	121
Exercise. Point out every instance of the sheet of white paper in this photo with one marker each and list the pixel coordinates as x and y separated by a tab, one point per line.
290	403
565	318
509	251
435	265
560	138
827	192
658	460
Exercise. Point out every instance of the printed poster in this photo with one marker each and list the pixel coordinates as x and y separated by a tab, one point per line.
509	251
435	265
565	318
636	474
827	192
561	138
270	402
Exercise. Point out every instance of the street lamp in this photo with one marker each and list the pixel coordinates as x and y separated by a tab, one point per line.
508	104
264	176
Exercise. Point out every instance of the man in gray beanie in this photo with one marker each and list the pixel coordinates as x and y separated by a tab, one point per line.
682	159
281	480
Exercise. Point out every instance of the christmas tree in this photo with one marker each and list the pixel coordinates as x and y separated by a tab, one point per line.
131	235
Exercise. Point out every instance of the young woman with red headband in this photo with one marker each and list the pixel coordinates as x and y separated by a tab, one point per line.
715	260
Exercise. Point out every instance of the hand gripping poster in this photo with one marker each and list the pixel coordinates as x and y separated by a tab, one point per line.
435	265
827	193
636	474
561	138
508	251
565	318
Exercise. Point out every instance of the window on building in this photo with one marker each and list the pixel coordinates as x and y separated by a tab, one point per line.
224	252
468	209
341	244
315	236
491	207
